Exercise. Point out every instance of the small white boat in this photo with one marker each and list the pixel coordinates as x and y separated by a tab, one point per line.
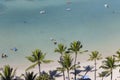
106	5
68	9
42	12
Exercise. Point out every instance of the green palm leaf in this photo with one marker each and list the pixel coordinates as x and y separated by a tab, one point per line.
29	76
7	73
47	61
31	58
60	69
32	66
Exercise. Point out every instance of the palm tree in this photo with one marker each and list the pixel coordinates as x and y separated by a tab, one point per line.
37	58
61	49
75	47
109	65
29	76
94	56
67	63
8	73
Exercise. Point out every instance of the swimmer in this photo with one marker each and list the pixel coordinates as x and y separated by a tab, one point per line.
14	49
4	55
55	42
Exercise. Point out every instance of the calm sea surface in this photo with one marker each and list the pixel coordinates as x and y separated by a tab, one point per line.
22	26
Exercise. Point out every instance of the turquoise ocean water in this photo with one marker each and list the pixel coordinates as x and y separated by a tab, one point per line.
22	26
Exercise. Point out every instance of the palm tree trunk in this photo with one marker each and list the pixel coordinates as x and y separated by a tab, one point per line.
75	65
63	75
111	74
68	75
39	68
102	78
63	67
95	70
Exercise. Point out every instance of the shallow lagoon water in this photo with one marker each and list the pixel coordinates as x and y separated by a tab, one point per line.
22	26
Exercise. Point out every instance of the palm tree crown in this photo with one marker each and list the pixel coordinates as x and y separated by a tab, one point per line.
95	56
75	47
8	73
37	58
61	49
109	65
30	76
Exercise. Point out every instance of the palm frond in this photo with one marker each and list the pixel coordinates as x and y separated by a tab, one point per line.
60	69
104	74
47	61
104	67
7	73
31	58
37	53
29	76
42	57
32	66
14	72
